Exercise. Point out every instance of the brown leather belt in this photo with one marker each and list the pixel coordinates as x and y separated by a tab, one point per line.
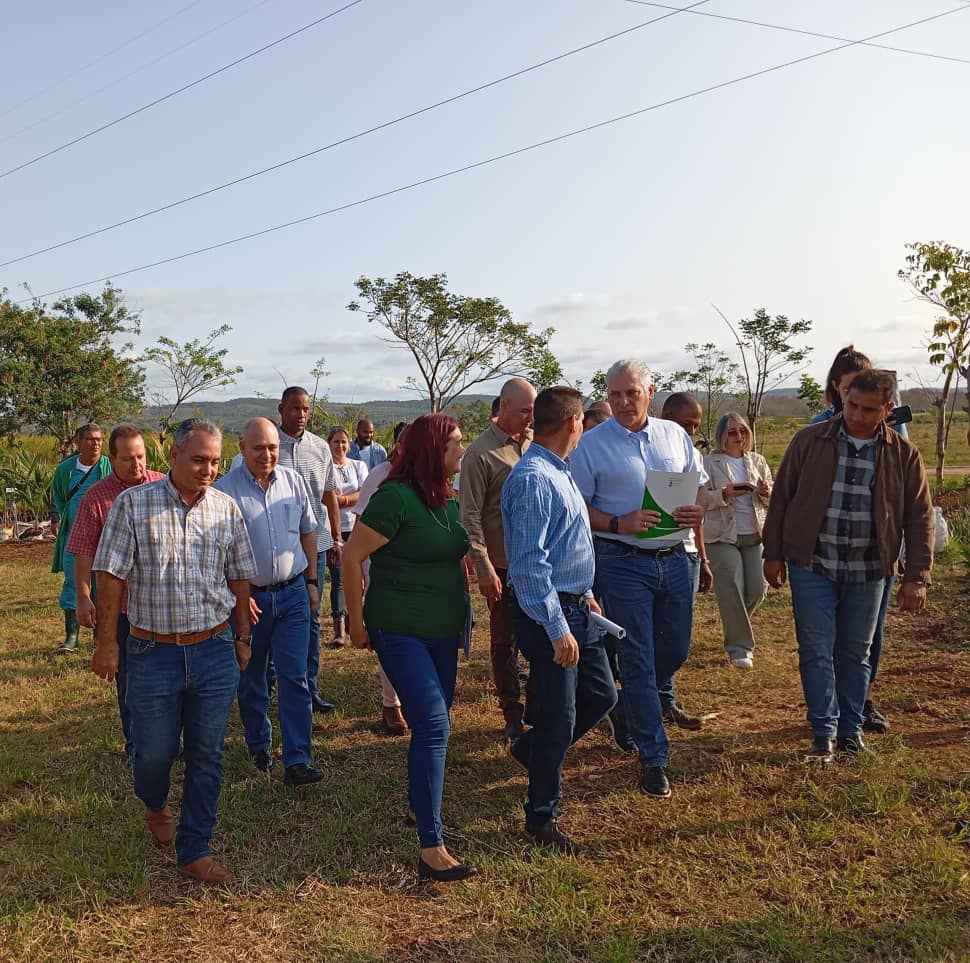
177	638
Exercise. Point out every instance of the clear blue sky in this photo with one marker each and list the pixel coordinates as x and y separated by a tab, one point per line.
795	191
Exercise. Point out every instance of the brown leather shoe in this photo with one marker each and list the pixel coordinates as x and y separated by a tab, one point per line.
206	870
161	824
392	722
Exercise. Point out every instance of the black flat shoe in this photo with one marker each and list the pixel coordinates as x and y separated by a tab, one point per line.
301	775
322	706
452	875
262	760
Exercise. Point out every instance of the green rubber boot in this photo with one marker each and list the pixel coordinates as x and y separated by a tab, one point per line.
71	629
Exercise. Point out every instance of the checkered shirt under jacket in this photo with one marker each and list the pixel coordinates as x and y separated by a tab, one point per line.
177	560
846	549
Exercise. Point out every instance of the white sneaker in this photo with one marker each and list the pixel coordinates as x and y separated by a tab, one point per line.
743	662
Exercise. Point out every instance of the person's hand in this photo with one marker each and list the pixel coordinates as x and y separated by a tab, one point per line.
104	661
774	573
707	577
359	637
86	613
565	651
593	606
633	523
335	554
764	489
254	611
491	587
244	652
911	597
729	491
689	516
313	591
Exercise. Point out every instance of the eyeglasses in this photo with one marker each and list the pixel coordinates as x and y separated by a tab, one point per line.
737	431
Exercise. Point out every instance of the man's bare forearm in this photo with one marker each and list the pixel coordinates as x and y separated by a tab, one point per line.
110	590
240	611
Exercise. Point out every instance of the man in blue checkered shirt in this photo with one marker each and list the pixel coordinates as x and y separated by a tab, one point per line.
847	492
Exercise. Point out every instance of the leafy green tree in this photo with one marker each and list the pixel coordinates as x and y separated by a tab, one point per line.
597	386
812	393
63	366
473	417
939	274
543	368
190	369
318	414
456	341
769	356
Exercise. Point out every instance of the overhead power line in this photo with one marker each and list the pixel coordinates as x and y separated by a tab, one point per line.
102	57
120	80
506	155
180	90
804	33
351	137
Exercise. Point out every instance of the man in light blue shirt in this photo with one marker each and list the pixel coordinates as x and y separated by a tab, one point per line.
276	506
645	584
549	549
364	448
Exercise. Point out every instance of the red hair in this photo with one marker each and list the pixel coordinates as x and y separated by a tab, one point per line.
422	462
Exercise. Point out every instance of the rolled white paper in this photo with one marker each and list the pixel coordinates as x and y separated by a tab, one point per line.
607	626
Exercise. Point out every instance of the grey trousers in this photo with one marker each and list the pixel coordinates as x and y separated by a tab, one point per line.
740	587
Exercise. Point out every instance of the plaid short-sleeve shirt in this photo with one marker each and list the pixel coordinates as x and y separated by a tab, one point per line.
846	549
93	512
176	559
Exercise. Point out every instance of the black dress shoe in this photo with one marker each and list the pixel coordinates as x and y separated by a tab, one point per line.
322	706
872	719
551	836
512	730
852	746
451	875
653	781
262	760
679	718
821	751
621	735
301	775
517	757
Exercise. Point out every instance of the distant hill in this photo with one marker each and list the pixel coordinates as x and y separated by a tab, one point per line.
234	413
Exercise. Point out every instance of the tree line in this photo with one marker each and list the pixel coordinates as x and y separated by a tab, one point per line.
72	362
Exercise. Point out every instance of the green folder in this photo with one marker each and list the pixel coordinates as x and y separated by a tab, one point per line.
667	526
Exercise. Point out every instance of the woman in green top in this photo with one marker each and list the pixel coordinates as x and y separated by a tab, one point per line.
414	613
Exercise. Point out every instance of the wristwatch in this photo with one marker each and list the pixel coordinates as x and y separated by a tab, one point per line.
614	525
245	639
313	581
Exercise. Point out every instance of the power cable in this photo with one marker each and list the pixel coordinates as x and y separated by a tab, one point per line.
352	137
97	60
804	33
504	156
182	89
130	74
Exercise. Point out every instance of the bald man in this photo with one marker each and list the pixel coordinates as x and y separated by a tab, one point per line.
486	465
275	504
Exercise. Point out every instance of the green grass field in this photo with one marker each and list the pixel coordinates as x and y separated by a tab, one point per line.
755	857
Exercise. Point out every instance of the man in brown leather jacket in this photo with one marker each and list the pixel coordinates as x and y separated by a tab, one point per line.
847	492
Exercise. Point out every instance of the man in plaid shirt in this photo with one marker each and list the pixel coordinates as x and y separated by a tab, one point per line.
846	493
126	452
186	556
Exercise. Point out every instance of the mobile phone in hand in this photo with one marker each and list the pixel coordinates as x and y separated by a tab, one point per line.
900	416
743	487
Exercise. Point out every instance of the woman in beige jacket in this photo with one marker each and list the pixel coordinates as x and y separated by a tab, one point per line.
741	482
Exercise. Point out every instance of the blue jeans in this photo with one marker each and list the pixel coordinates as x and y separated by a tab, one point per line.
313	653
834	624
875	653
570	702
188	689
121	685
652	597
283	629
423	672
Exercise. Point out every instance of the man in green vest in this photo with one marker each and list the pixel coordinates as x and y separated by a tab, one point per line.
72	478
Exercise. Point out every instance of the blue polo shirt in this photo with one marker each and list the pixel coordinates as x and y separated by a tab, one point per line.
610	467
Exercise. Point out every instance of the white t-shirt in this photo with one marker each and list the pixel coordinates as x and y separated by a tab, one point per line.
743	505
350	476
